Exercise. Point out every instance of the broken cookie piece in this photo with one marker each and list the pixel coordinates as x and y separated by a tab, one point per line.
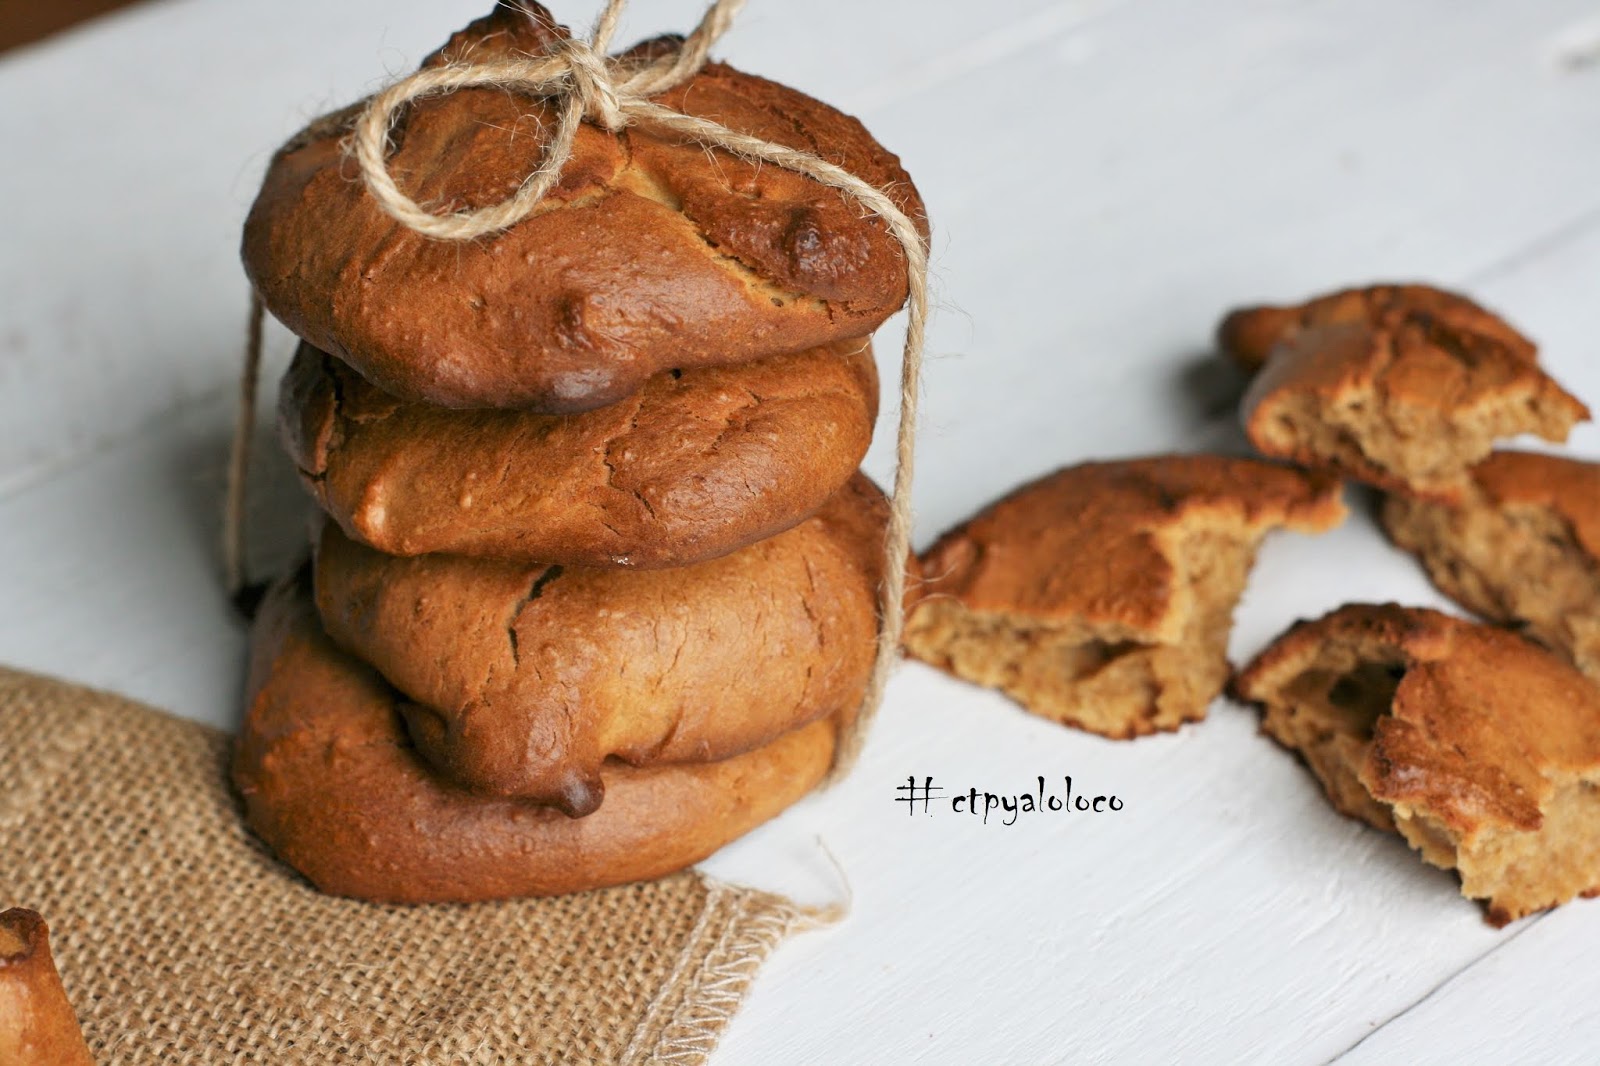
1478	747
1249	334
1102	595
1522	547
1396	394
37	1024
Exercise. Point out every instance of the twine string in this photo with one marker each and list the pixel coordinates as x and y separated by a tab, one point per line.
234	564
613	93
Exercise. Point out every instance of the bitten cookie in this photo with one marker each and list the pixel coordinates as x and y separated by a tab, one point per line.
37	1025
527	678
1102	595
1522	547
696	464
1402	398
651	253
1478	747
331	783
1249	334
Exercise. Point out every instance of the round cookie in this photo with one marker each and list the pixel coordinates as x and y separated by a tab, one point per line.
651	253
331	783
696	464
528	677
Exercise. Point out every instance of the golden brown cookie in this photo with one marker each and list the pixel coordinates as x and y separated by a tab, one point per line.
1406	402
1102	595
651	253
37	1025
1250	333
528	677
332	784
1522	547
1478	747
696	464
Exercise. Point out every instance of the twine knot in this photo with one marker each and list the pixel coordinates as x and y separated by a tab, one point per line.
591	80
580	79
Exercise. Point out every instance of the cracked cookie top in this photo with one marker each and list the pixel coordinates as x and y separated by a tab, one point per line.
650	253
696	464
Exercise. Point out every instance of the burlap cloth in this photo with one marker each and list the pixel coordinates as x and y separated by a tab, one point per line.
181	940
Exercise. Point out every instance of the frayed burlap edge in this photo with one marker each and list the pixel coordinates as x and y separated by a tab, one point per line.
738	929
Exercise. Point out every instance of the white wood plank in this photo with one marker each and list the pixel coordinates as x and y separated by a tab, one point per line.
1227	889
1531	1000
1168	160
1295	123
110	573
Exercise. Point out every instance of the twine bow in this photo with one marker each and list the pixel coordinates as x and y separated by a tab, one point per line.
613	93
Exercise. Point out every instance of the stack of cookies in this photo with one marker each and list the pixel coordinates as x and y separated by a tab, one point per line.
596	582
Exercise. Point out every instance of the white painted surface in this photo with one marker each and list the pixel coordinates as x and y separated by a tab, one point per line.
1105	179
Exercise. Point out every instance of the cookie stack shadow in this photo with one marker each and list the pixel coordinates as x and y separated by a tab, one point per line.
595	585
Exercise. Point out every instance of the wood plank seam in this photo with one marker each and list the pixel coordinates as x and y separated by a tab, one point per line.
1440	987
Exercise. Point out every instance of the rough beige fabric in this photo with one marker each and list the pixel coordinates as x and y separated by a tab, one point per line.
181	940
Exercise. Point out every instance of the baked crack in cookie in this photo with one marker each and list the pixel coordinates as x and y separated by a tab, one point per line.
1481	749
1401	392
1522	547
1102	595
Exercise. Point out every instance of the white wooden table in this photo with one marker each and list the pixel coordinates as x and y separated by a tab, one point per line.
1105	178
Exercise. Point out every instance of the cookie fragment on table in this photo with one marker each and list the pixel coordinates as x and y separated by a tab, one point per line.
1406	399
1523	547
1102	595
1249	334
37	1024
1481	749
